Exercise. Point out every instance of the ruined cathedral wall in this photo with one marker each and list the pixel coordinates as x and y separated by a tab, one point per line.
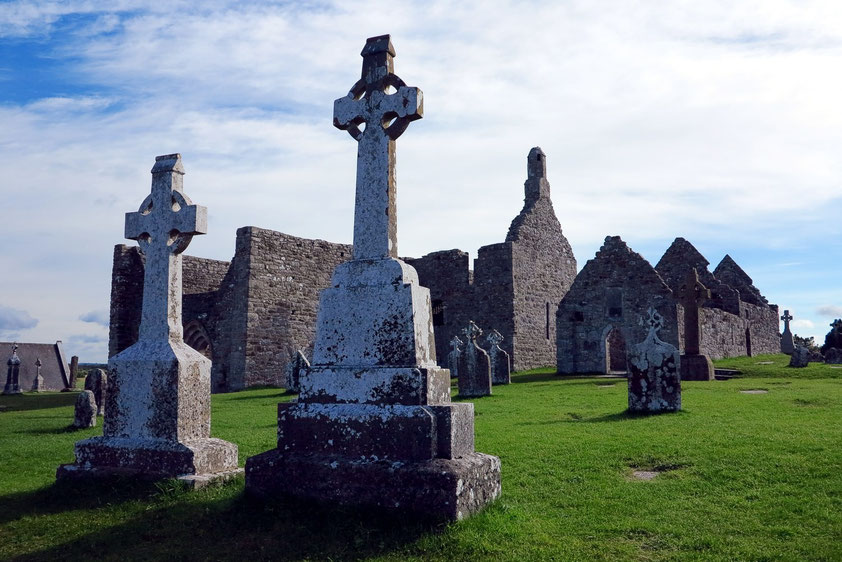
723	334
764	322
543	269
446	274
285	277
493	294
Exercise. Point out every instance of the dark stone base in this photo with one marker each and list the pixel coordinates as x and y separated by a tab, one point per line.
197	462
696	368
444	489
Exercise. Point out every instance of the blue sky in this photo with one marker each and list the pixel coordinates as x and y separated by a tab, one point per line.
716	121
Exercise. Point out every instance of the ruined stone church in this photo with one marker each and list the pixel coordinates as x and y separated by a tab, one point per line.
251	315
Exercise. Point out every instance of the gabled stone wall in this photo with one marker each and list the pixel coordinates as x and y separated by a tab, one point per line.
611	294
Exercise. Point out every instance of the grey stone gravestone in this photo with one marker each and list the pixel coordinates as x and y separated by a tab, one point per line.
38	381
453	356
13	373
295	367
654	380
800	357
84	414
374	424
691	295
787	343
74	369
157	416
97	382
474	366
501	371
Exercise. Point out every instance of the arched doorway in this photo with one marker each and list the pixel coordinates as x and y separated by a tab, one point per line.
197	337
615	352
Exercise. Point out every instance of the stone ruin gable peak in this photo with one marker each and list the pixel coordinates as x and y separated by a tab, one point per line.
678	259
730	273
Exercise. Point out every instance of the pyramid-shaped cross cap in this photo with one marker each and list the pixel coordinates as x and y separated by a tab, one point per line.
386	116
164	225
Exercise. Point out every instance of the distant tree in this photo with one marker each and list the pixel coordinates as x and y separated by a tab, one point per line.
834	336
809	343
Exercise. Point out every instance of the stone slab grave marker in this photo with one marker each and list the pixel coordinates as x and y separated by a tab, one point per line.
373	424
474	365
74	369
691	295
654	379
787	343
13	373
84	412
453	357
97	382
501	372
157	419
38	382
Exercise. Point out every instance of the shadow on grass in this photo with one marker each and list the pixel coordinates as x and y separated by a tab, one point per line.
58	430
282	392
37	401
228	525
627	415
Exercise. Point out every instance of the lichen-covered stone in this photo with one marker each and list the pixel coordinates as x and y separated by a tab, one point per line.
654	380
474	366
157	414
833	356
800	357
373	424
97	382
84	413
453	356
13	373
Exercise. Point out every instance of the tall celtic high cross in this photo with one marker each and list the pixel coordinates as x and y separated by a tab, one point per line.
163	227
691	295
787	317
385	105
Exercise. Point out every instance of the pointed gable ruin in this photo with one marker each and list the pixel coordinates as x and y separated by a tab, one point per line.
600	316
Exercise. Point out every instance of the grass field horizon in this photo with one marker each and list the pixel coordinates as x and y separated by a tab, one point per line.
739	476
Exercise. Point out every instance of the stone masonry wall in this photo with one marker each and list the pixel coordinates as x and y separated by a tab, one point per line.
493	294
613	291
286	275
126	298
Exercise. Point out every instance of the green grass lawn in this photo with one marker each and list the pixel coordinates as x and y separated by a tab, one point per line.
744	477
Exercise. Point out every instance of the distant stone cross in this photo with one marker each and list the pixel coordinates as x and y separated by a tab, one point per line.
691	295
456	344
494	338
655	321
163	227
786	318
472	331
385	117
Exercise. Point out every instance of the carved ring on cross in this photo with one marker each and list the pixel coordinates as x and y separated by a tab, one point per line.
392	124
177	241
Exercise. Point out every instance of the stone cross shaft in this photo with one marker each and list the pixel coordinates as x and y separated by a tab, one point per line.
691	295
472	331
385	117
787	317
163	228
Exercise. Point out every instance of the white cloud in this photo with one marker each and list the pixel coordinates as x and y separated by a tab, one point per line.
13	320
100	317
830	310
802	324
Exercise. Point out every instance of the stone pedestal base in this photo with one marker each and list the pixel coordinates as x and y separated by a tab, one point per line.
696	368
448	489
197	462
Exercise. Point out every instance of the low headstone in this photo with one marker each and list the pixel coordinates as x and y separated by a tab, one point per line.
800	357
84	414
691	295
787	343
833	356
501	372
654	367
157	419
97	382
295	368
374	424
453	357
13	373
474	366
38	382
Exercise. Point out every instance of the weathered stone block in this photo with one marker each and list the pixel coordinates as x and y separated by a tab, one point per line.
375	385
654	379
697	368
97	382
84	414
